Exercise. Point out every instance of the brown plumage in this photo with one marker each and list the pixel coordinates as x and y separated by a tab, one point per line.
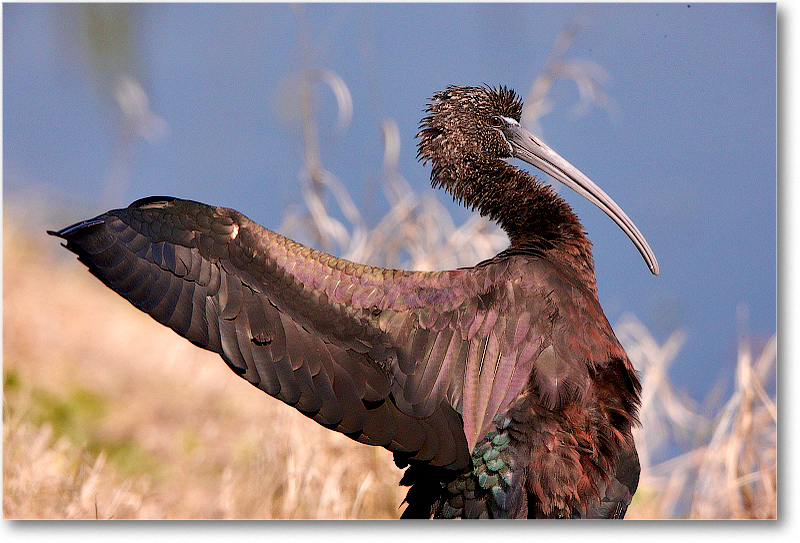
502	387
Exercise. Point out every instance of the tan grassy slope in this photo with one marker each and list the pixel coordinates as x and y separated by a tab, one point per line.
106	413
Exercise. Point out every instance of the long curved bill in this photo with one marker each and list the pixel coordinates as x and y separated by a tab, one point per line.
525	146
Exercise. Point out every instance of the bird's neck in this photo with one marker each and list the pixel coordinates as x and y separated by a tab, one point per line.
534	217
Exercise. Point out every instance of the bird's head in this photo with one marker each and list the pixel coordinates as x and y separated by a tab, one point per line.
462	133
470	131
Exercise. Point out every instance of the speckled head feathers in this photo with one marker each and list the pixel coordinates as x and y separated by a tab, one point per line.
458	137
481	101
460	117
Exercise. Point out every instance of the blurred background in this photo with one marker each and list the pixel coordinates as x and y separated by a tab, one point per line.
303	118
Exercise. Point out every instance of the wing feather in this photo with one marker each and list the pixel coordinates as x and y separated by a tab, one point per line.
429	371
164	308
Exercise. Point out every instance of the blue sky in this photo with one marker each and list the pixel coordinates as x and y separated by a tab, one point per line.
689	151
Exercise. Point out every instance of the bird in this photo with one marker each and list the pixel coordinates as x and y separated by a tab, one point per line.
501	388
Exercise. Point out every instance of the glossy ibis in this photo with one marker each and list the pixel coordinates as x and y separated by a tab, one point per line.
501	387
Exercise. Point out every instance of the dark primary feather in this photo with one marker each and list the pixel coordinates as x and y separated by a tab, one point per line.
490	383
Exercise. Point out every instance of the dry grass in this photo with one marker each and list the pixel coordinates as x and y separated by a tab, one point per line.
727	467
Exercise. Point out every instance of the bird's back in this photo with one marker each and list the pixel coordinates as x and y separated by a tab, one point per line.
562	448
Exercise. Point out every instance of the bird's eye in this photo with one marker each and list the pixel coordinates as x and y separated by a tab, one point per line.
496	122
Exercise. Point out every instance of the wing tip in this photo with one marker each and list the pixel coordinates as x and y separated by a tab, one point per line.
141	203
69	231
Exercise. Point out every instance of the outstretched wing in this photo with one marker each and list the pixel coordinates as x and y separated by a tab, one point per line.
417	362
